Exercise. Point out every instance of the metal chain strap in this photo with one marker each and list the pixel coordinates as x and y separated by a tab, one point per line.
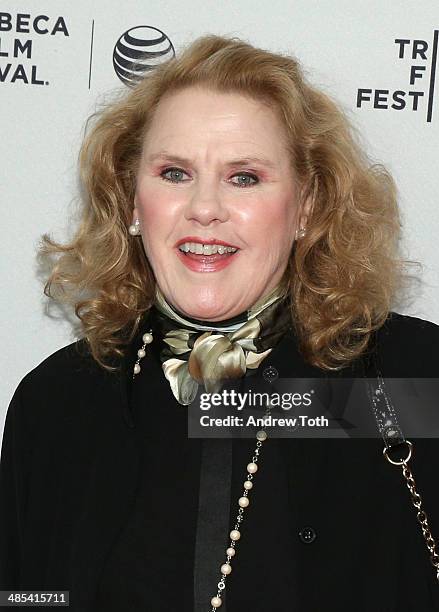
417	503
388	426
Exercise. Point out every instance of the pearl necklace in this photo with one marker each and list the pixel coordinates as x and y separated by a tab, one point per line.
270	373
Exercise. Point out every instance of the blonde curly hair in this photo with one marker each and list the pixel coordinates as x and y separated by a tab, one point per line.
343	275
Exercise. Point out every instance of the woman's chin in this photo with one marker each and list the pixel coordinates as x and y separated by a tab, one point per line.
207	312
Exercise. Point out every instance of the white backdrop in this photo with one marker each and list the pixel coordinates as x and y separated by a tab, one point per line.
56	64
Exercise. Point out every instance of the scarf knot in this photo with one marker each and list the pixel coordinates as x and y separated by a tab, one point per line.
198	353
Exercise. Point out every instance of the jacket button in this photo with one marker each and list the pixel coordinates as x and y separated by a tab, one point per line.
270	373
307	535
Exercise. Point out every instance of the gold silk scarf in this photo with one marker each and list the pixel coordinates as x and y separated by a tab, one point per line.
207	353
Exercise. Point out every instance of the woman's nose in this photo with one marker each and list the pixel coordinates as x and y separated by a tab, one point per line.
206	205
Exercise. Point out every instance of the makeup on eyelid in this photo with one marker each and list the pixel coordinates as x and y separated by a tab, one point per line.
252	175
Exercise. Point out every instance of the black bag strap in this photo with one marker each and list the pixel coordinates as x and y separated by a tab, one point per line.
393	438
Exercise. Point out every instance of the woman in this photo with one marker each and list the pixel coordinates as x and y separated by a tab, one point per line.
232	230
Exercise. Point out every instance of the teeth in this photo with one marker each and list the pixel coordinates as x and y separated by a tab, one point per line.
205	249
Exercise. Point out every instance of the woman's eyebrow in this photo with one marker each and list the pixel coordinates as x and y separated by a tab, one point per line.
164	155
243	161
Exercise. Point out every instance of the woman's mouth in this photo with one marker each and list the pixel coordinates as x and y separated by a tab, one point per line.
206	257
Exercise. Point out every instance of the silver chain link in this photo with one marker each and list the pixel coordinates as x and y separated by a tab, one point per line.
421	516
417	503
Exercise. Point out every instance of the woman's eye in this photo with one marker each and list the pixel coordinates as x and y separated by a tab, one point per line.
245	179
174	175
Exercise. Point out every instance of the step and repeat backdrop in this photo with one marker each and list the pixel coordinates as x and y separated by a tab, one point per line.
60	60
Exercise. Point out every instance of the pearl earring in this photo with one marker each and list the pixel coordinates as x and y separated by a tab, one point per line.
300	233
134	230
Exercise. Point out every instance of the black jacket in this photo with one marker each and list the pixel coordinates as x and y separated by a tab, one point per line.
70	466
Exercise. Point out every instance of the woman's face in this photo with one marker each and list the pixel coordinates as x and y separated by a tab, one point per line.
215	169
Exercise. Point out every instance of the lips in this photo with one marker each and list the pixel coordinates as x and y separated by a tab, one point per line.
206	263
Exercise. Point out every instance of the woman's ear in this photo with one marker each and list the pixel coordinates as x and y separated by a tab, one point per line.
308	198
306	211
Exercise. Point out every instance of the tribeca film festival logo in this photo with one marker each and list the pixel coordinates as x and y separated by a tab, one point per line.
17	45
420	56
139	50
